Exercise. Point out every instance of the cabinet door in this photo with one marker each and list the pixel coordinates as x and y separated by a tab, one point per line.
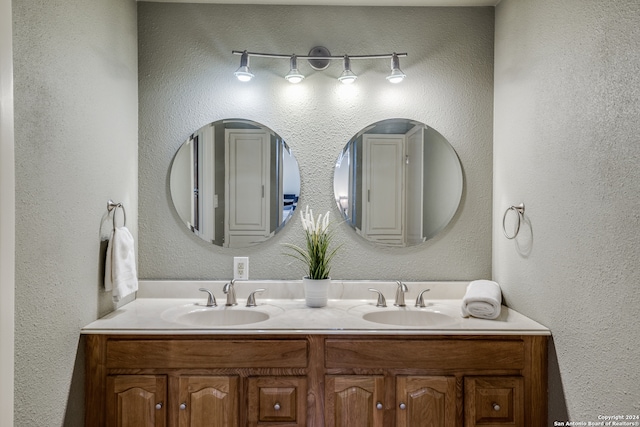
279	401
136	401
426	401
354	401
208	401
493	401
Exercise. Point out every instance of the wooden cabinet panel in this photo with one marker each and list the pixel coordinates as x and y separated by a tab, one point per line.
447	355
425	401
494	401
207	354
208	401
354	401
277	400
316	380
136	401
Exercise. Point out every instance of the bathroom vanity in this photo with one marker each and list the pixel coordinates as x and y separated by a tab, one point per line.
148	366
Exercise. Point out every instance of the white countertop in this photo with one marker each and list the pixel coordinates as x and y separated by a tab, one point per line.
343	315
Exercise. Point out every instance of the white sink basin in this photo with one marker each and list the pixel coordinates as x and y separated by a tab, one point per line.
202	316
433	315
410	318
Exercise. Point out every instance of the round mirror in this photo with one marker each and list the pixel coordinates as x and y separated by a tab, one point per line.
235	183
398	182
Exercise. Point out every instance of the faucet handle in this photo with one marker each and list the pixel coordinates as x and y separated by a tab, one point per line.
211	299
251	301
381	301
420	299
402	288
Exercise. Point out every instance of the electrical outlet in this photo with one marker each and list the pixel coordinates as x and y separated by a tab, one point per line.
241	268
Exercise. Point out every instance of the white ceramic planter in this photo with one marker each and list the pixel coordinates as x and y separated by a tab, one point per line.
316	292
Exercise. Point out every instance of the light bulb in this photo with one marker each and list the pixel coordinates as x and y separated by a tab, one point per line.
294	76
347	76
243	73
396	75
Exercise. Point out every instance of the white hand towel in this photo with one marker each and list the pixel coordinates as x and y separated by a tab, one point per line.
120	274
483	299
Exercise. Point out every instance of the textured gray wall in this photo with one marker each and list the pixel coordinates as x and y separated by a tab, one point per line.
75	66
567	84
186	81
7	216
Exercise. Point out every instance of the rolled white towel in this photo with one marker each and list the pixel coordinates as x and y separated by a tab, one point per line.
483	299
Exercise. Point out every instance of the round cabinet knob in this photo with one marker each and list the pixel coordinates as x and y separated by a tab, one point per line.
276	406
379	405
496	407
159	405
403	406
183	406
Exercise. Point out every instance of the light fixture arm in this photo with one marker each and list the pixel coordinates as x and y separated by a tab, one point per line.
288	56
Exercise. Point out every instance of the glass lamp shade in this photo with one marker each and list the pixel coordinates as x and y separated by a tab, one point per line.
244	74
294	76
347	77
396	76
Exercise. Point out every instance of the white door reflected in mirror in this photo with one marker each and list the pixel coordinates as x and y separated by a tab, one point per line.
235	183
398	182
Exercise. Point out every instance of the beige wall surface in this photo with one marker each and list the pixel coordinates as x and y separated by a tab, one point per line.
186	81
567	85
75	69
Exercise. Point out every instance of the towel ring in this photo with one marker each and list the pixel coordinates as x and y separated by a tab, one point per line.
111	205
520	211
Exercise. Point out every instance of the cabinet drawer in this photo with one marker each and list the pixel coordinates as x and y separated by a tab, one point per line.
493	401
163	353
443	354
277	400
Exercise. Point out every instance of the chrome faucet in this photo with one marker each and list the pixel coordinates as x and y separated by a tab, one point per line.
211	300
402	288
231	293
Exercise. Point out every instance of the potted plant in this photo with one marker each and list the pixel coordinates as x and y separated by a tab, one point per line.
316	256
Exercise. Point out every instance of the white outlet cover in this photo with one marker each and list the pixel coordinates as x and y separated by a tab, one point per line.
241	268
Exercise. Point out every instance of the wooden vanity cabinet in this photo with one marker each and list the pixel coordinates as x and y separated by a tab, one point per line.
136	400
145	401
494	401
277	401
208	401
425	401
438	381
316	380
354	401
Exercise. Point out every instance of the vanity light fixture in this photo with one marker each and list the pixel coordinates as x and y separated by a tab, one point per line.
243	73
319	59
294	76
396	75
347	77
